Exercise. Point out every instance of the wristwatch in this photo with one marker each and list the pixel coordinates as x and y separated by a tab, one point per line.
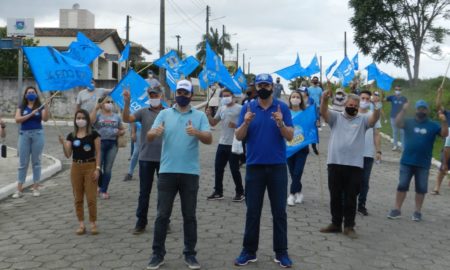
378	105
281	124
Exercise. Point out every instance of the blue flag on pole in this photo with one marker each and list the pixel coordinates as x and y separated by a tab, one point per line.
83	50
305	131
345	72
169	61
54	71
384	81
138	91
172	77
313	67
355	62
125	53
330	68
239	77
291	72
188	65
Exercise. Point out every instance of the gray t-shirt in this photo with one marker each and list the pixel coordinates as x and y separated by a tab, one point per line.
87	99
369	145
347	139
153	82
226	115
277	88
148	151
108	126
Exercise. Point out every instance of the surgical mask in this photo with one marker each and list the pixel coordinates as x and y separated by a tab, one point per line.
398	92
264	93
340	98
421	115
81	123
226	100
364	105
31	97
155	102
108	106
352	111
295	101
150	76
183	101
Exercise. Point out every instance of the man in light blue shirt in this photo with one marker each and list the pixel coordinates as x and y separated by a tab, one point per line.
181	128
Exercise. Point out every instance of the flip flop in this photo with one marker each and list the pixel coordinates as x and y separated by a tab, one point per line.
435	192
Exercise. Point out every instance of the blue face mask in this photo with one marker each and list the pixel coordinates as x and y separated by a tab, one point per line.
31	97
182	101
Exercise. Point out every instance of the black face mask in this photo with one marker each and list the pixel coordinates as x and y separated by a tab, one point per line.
352	111
183	101
421	115
264	93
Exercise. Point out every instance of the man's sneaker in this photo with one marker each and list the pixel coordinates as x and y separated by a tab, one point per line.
350	232
245	258
395	148
363	211
215	196
238	198
283	261
417	216
299	197
291	200
331	229
36	193
138	230
191	262
394	214
155	262
17	195
128	177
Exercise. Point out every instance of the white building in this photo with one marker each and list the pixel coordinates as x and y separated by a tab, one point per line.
76	18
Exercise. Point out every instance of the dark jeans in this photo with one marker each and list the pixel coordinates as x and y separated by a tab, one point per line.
362	198
147	170
169	184
296	164
259	178
344	184
224	156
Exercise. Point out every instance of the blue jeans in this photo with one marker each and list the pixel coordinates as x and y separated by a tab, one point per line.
169	184
420	177
108	155
259	178
367	170
31	143
396	132
135	155
296	164
147	170
224	156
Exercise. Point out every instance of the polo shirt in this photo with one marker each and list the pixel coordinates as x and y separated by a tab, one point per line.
180	151
265	145
34	122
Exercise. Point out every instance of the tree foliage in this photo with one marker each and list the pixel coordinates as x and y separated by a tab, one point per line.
397	31
219	43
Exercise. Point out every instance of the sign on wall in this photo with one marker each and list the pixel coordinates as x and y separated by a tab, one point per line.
22	27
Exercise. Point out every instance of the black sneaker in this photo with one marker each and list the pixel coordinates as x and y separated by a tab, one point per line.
191	262
138	230
155	262
238	198
363	211
215	196
128	177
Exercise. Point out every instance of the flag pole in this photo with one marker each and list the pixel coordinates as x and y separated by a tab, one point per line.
142	69
445	74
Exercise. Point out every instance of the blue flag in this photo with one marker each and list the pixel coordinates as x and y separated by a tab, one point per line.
384	81
169	61
188	65
330	68
305	131
239	77
345	72
291	72
125	53
172	78
54	71
83	50
313	67
138	91
355	62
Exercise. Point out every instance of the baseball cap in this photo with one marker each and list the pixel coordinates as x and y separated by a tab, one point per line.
263	78
340	90
156	90
421	104
185	85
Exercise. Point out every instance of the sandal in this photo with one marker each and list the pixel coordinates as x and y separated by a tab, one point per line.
81	231
435	192
94	230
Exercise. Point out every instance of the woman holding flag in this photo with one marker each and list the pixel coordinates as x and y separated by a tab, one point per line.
30	115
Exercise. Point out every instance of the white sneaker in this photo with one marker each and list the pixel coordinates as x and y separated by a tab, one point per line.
298	197
17	195
36	193
290	200
394	148
324	125
320	129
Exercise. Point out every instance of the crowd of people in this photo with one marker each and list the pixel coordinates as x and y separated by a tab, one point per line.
166	143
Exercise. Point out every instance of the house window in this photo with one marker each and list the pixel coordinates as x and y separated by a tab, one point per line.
115	70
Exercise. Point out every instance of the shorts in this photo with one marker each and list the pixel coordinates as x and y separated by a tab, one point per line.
420	178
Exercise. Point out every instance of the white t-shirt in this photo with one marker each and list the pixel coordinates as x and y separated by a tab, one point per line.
369	143
226	115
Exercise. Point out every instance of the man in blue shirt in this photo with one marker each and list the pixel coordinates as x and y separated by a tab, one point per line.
420	134
181	128
397	101
277	89
266	124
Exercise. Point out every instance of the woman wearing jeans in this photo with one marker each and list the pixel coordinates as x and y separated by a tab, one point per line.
83	144
30	115
109	125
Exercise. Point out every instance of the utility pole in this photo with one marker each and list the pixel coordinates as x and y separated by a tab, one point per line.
162	46
207	23
237	56
178	44
345	44
243	63
181	50
248	69
127	63
223	43
320	63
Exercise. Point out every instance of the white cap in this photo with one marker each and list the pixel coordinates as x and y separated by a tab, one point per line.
185	85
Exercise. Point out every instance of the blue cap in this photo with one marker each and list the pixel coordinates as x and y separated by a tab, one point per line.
421	104
263	78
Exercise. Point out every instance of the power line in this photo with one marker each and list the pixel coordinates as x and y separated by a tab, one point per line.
180	13
173	23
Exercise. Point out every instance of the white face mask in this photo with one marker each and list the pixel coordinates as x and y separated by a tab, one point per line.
226	100
364	105
108	106
155	102
398	92
295	101
81	123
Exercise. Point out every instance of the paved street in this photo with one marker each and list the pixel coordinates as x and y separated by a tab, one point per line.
38	233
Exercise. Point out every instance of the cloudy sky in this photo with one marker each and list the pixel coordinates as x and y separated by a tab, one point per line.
270	33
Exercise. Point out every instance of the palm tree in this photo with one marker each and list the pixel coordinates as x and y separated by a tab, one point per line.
218	43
